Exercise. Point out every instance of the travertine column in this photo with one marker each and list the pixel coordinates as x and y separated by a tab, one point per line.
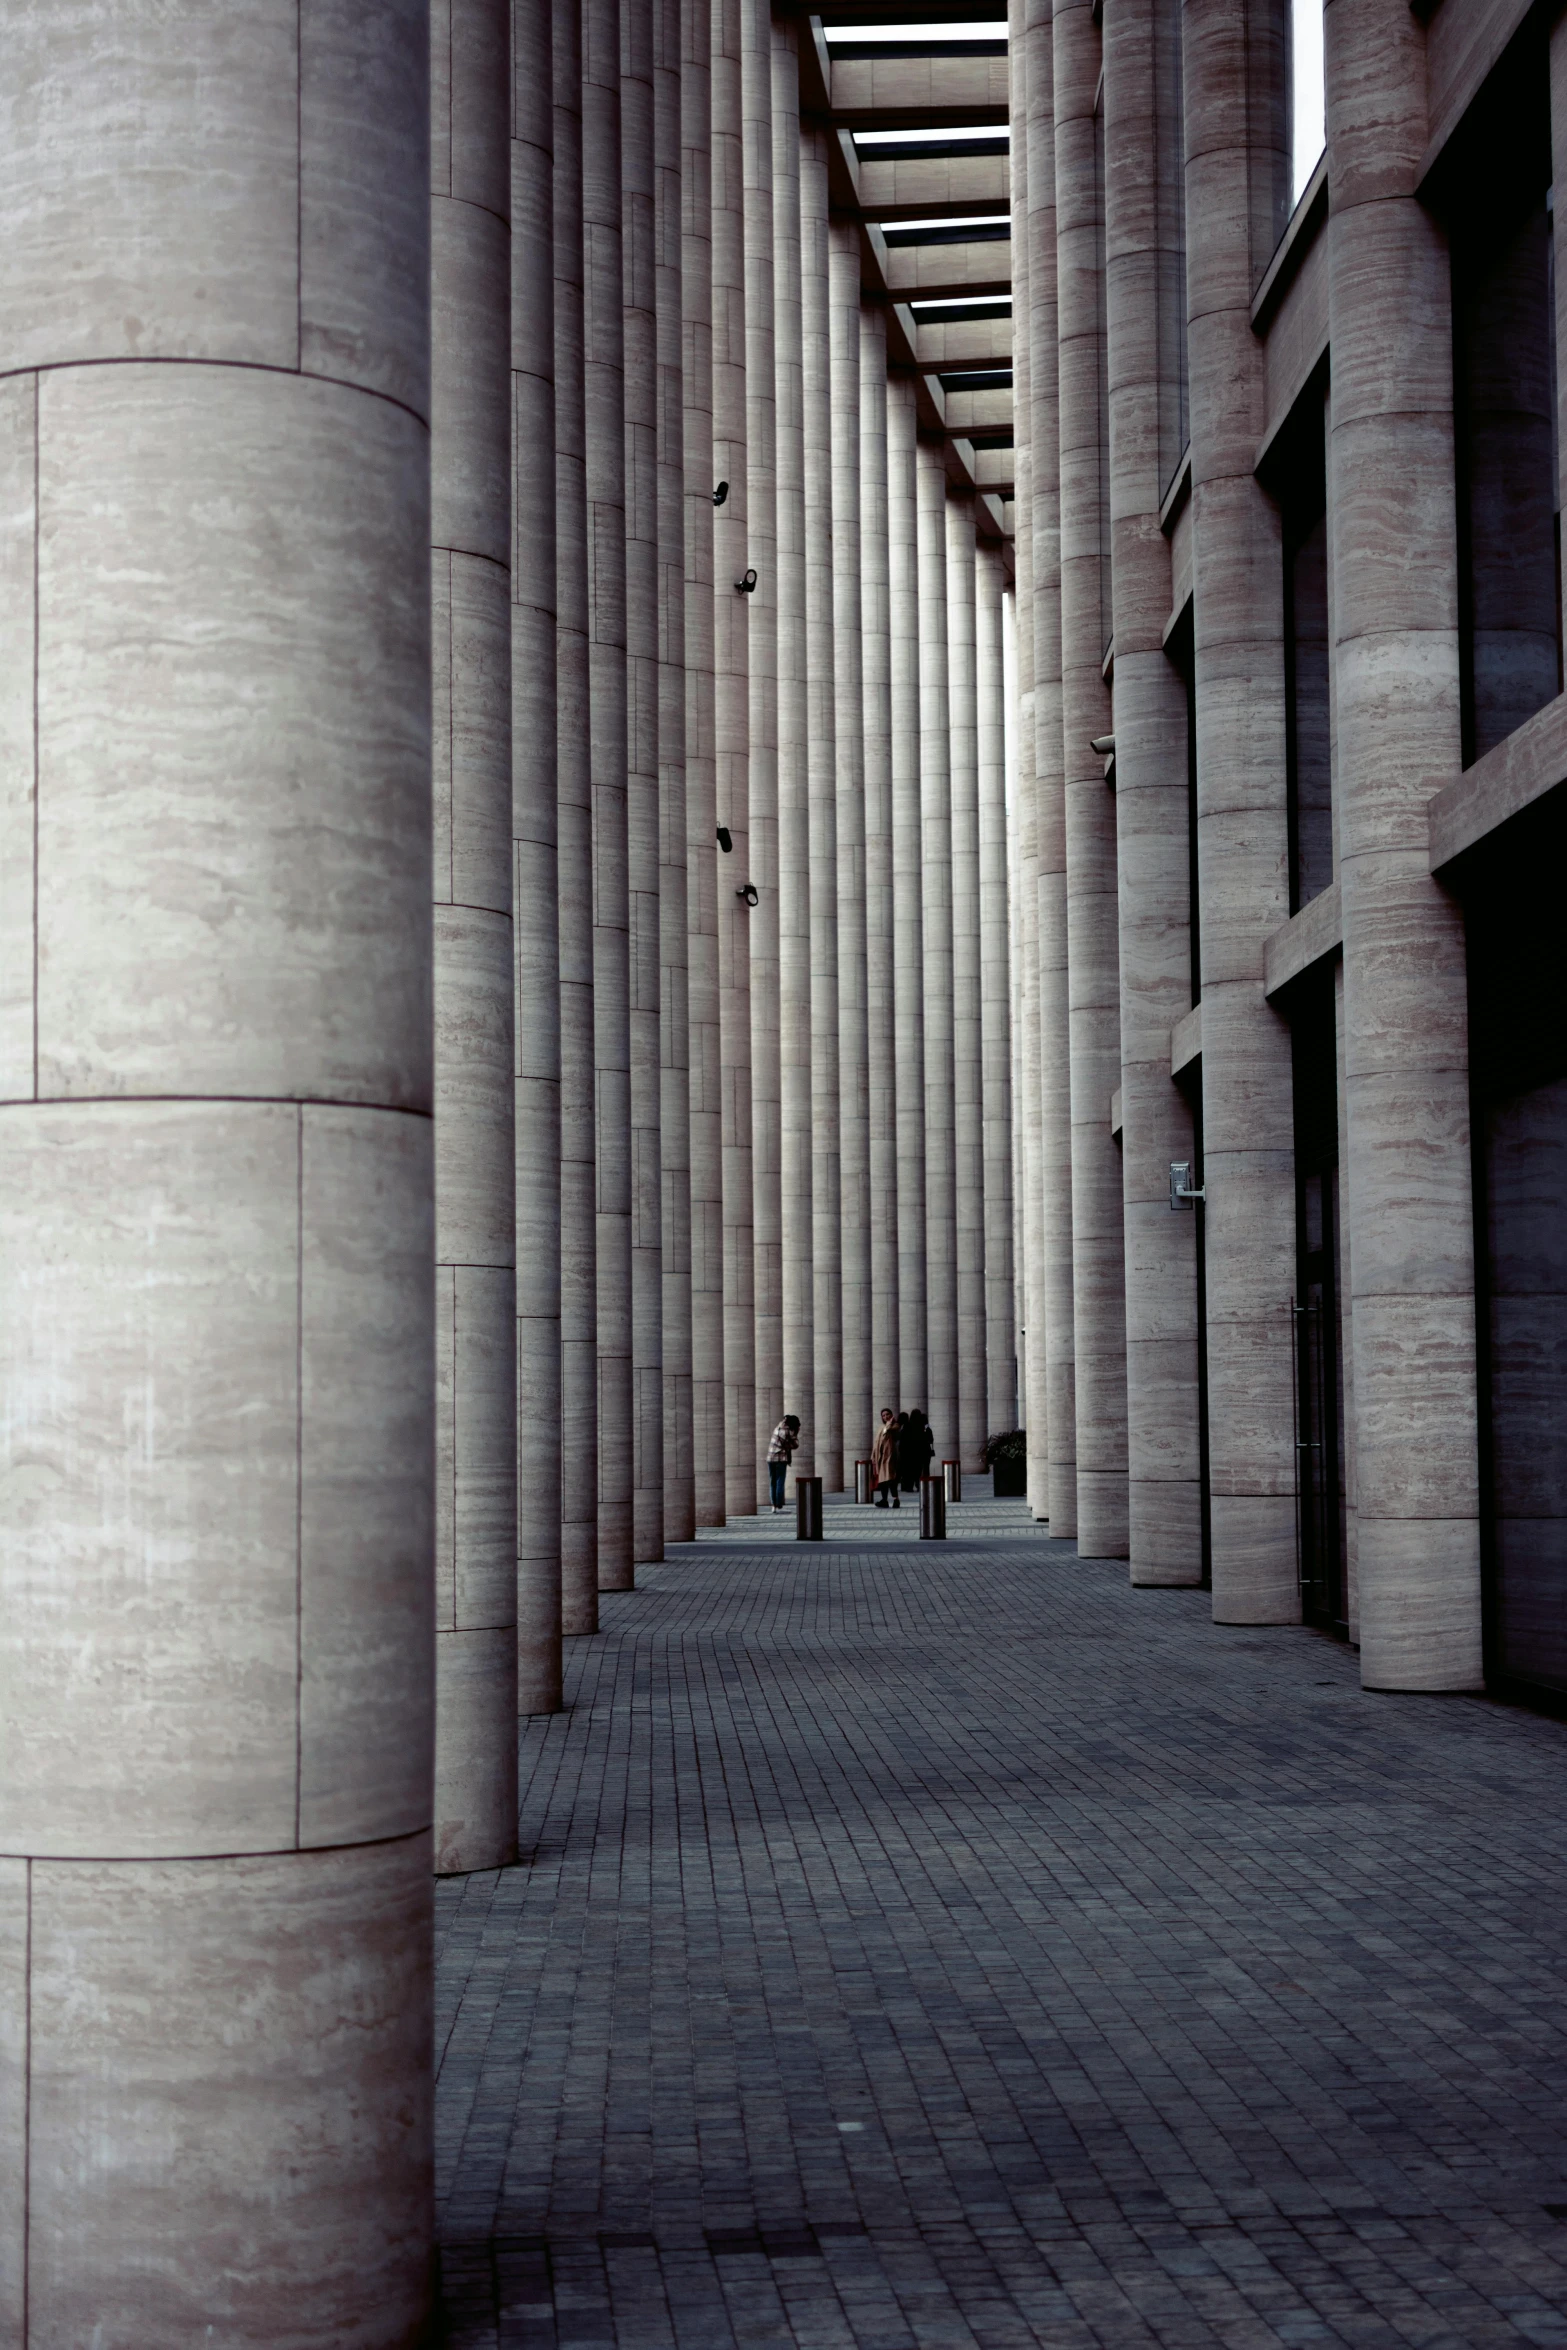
673	1006
604	381
940	1400
637	196
1001	1399
475	1168
574	867
216	1219
762	556
702	877
822	755
854	1168
794	842
534	878
880	989
1047	1212
967	1128
1406	1086
1164	1516
731	701
1093	985
908	929
1233	162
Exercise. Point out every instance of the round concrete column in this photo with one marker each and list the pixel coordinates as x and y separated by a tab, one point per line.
854	1157
702	878
534	876
1232	153
217	1343
574	866
995	992
1093	985
908	929
822	755
673	1011
732	725
794	842
762	537
940	1400
475	1168
967	1062
1023	863
1143	257
880	989
604	381
1395	663
644	960
1052	1367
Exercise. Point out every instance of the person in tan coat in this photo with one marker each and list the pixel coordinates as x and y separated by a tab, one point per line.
884	1459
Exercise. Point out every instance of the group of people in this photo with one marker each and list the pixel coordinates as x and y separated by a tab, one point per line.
900	1456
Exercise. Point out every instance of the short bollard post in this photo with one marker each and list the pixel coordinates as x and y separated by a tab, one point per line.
807	1509
862	1480
933	1510
952	1479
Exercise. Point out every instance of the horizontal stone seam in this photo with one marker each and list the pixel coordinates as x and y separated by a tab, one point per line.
467	203
470	555
276	1101
137	1860
341	383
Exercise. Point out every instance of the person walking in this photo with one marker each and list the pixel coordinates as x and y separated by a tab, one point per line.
780	1452
915	1447
884	1459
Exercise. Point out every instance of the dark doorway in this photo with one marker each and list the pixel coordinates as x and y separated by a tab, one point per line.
1320	1483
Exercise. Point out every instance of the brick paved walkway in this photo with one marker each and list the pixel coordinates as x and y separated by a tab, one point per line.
929	1947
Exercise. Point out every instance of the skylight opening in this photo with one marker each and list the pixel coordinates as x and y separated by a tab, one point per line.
934	304
878	35
909	228
992	136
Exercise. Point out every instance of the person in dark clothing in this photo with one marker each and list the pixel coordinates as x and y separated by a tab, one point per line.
915	1447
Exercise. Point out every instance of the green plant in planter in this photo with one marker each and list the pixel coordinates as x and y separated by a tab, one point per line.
1006	1456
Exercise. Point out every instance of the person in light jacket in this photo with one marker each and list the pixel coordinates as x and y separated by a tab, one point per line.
884	1459
780	1452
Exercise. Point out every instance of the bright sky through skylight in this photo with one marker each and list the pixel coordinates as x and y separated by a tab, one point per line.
951	220
955	301
1308	131
916	32
961	137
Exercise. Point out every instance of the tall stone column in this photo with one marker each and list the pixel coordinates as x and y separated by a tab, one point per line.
673	1005
822	758
1093	981
475	1118
217	1341
995	989
1234	163
732	726
940	1400
1047	1207
638	264
534	878
604	381
794	804
762	540
1151	817
880	980
908	927
1395	662
967	1062
702	880
574	865
854	1132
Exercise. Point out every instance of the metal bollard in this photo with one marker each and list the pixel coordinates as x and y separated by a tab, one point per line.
933	1510
807	1509
952	1478
862	1480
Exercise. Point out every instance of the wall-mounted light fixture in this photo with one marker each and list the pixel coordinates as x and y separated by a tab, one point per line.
1182	1193
750	893
746	586
725	839
721	493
